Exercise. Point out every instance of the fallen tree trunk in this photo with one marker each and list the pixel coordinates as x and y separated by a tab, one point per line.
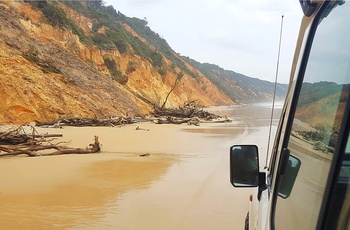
34	150
20	136
17	142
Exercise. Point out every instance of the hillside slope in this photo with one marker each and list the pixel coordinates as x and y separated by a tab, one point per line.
47	71
42	79
83	59
240	88
320	102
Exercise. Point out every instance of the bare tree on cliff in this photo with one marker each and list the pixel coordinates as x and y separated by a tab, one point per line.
179	76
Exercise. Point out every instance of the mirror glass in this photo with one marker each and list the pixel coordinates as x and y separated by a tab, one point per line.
244	165
288	179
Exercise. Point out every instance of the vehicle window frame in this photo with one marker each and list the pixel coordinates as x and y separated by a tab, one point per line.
293	85
281	129
304	54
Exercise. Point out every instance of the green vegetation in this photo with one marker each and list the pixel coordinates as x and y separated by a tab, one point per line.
312	92
114	33
132	66
102	41
157	59
108	17
57	17
240	88
116	74
162	72
119	38
140	26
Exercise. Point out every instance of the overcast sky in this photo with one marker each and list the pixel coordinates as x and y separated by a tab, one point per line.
237	35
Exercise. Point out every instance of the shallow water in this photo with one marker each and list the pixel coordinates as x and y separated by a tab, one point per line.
183	184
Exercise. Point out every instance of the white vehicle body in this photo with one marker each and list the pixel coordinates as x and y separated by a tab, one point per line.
306	181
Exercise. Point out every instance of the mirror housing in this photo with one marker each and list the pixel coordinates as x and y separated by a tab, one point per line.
288	178
244	166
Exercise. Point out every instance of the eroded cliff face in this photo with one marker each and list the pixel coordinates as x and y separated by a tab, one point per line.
47	73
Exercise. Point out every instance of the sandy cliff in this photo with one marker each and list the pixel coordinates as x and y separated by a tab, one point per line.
47	72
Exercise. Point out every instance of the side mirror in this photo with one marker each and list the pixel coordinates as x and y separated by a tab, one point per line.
244	166
288	178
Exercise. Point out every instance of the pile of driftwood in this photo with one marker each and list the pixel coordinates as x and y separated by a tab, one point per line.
190	109
191	113
17	141
81	122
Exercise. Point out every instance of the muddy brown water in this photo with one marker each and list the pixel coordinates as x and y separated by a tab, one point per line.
182	184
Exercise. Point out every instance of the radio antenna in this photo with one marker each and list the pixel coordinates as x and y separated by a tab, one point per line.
274	92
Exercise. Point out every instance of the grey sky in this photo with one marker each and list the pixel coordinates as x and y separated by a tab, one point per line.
237	35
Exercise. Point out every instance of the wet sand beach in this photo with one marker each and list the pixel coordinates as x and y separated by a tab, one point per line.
182	184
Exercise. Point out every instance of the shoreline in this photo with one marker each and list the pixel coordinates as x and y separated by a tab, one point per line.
184	179
47	185
167	142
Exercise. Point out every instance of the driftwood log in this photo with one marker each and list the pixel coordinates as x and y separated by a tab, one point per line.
81	122
17	142
176	120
